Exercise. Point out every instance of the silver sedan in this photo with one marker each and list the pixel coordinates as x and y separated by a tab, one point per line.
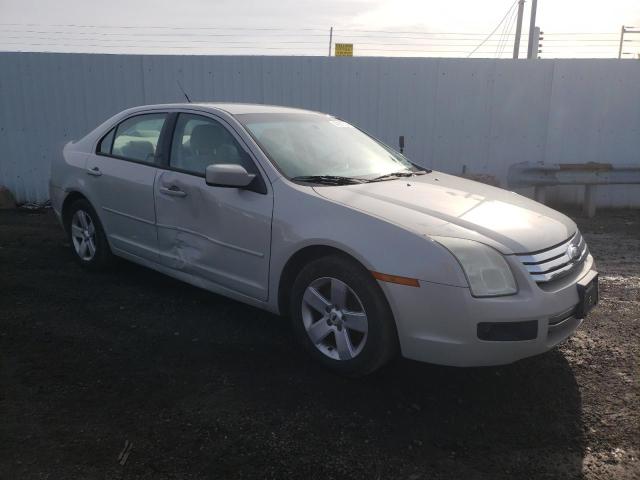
305	215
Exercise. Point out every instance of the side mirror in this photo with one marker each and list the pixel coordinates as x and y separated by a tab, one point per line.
228	175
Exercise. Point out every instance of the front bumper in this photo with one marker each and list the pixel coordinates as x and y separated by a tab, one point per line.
439	323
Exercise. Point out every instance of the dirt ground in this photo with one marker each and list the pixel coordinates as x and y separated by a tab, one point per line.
205	387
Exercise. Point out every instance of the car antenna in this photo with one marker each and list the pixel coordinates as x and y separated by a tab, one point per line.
183	92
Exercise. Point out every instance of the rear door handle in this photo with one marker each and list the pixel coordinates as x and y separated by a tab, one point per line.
95	171
173	191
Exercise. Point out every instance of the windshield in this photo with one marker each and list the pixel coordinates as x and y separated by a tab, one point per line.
309	145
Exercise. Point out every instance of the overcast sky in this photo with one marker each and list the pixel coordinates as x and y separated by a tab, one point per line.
301	27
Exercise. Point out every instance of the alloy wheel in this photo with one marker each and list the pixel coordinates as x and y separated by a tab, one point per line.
83	235
334	318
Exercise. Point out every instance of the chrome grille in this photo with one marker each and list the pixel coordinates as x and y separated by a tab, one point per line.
557	261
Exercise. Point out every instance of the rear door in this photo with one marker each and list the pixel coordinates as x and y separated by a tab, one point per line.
121	176
219	234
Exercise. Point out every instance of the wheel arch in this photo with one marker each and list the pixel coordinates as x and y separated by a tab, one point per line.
387	344
297	261
69	200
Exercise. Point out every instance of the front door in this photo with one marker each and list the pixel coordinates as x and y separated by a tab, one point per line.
220	234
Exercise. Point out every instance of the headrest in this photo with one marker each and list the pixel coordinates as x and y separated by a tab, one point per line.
207	137
138	149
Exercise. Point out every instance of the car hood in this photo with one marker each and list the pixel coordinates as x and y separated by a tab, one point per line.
437	204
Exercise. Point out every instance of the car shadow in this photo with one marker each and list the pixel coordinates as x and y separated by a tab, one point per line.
205	387
409	419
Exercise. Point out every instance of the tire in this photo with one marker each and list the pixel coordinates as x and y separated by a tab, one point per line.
354	333
88	242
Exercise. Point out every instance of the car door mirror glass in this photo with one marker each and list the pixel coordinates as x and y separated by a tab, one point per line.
228	175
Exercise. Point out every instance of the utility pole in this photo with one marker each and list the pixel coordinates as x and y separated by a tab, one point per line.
330	39
537	36
516	43
624	30
621	40
531	53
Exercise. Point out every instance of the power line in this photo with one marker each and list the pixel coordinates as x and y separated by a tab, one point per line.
282	39
241	39
502	36
320	47
274	29
494	30
148	34
259	48
224	42
170	27
506	30
372	39
500	44
148	46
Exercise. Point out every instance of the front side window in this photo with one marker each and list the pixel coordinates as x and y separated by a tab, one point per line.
201	141
137	137
311	144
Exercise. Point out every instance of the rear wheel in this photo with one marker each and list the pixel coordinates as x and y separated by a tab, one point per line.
86	236
341	317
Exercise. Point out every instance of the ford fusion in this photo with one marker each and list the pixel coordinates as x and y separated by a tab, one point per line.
305	215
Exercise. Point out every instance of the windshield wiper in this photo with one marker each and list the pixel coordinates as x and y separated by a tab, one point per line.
407	173
328	179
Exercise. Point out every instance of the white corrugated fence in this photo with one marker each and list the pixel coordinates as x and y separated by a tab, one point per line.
482	114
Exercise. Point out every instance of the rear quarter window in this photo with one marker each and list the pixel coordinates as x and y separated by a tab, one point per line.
104	146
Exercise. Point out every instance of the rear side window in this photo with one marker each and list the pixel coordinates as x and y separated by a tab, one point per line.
137	137
104	147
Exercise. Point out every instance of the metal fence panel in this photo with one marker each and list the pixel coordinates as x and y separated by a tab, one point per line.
484	115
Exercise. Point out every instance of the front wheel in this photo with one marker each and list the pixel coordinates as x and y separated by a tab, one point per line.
340	315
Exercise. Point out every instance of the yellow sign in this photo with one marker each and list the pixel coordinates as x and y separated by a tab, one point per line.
344	49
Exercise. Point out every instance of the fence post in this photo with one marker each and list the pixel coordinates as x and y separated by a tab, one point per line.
540	193
589	204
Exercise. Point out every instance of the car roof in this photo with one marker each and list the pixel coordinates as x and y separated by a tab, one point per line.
240	108
234	108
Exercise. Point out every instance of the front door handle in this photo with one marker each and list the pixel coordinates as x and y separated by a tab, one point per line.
95	171
173	191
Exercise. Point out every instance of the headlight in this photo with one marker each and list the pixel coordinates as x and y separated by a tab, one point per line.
486	270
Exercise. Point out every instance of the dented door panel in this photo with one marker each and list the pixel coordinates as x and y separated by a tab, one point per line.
220	234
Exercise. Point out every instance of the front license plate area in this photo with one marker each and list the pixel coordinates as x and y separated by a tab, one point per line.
589	296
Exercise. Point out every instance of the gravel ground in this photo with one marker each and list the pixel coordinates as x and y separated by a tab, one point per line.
203	387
